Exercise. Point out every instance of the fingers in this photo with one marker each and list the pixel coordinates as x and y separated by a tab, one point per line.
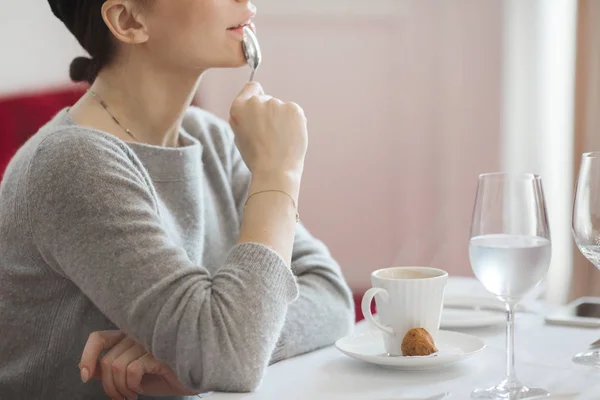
96	343
249	90
119	371
252	94
107	373
148	365
136	370
274	102
295	108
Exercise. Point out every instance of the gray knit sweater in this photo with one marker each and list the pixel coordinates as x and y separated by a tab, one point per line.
97	234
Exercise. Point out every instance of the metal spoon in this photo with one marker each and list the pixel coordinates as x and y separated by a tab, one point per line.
251	50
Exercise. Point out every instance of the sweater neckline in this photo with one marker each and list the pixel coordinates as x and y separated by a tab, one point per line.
162	163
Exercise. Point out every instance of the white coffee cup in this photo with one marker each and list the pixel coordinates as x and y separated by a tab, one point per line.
407	298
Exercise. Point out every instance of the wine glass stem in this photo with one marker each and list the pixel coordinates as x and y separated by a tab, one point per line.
511	377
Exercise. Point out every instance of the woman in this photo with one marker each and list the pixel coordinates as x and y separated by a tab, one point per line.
134	216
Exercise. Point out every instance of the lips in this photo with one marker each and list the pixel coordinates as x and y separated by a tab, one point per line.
247	21
238	30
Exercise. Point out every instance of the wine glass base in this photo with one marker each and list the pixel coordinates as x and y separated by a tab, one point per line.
589	359
508	391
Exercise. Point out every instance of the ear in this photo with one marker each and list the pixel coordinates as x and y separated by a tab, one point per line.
126	22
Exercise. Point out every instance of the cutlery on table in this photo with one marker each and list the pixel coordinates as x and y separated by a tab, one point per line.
595	345
440	396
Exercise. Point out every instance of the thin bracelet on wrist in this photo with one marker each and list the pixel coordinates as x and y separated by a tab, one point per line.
278	191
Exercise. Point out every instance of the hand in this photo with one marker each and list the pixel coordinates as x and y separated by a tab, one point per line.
270	134
127	369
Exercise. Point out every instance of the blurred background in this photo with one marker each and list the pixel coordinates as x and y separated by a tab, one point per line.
407	100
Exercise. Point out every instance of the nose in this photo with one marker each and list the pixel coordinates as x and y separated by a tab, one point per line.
249	5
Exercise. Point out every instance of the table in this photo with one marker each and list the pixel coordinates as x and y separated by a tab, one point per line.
543	359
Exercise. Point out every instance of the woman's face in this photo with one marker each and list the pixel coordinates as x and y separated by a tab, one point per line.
197	34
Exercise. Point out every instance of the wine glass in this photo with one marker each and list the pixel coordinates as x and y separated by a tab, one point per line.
510	254
586	226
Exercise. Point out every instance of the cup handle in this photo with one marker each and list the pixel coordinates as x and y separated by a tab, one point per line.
366	308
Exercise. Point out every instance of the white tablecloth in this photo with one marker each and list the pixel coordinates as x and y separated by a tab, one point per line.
543	359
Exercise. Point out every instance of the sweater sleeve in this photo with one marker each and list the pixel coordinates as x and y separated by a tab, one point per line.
95	221
324	310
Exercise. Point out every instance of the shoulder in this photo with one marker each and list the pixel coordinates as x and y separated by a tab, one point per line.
213	132
62	145
70	164
75	151
79	173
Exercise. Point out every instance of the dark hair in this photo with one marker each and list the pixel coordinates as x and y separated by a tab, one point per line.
90	30
85	21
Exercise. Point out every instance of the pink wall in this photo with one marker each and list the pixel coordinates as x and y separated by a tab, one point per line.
404	112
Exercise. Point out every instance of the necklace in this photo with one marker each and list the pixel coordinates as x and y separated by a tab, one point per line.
105	106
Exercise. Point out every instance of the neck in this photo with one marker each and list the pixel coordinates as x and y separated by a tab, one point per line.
148	102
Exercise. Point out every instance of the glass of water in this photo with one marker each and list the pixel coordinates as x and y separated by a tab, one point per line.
586	226
510	254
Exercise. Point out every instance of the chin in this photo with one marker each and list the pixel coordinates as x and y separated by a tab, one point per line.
229	66
233	63
232	57
240	64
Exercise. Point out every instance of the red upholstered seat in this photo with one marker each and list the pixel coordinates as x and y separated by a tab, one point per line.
22	115
357	300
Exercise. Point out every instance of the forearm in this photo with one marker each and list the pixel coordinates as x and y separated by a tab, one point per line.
269	217
113	245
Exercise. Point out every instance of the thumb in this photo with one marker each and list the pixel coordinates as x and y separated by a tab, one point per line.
250	89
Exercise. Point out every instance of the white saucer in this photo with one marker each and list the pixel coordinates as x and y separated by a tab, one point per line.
556	397
453	346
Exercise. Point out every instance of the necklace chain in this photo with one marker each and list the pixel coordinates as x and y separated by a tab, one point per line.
105	106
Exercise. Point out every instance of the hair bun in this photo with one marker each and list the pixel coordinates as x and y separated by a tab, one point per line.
82	70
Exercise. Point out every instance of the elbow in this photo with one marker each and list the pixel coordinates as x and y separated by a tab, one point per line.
342	317
248	382
347	319
243	377
235	370
347	310
346	314
232	380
